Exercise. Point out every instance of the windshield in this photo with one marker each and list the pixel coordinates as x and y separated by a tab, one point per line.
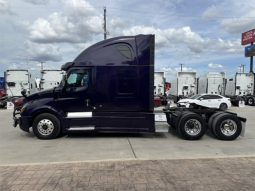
195	96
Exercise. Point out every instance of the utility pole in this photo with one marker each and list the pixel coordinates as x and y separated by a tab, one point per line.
41	66
105	32
181	66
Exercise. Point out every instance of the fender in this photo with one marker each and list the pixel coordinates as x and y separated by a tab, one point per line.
35	108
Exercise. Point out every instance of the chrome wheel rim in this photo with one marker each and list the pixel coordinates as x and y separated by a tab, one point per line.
45	127
250	101
192	127
228	127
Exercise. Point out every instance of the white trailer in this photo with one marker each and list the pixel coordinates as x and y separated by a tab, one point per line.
183	85
240	86
50	78
159	84
212	83
17	80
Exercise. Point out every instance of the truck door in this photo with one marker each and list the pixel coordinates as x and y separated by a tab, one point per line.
76	99
77	95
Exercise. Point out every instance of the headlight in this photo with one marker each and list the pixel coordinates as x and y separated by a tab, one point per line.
22	109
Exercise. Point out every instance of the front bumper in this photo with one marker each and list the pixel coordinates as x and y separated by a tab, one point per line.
22	121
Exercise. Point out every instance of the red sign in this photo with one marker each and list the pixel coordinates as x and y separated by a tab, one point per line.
248	37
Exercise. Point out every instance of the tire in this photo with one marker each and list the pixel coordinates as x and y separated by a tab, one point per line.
185	113
46	126
234	103
211	119
192	126
245	99
223	107
226	132
251	101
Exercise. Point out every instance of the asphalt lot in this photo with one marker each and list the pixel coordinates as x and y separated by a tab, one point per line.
18	147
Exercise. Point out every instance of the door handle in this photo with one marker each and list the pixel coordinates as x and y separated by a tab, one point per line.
87	102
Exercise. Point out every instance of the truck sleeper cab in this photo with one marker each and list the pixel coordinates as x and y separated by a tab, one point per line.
106	89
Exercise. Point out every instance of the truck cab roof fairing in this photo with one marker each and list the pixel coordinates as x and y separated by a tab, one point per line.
105	52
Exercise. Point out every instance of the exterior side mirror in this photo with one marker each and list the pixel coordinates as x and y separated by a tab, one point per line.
24	93
201	99
63	81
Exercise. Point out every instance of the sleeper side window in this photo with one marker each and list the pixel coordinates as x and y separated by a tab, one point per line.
126	81
124	50
78	78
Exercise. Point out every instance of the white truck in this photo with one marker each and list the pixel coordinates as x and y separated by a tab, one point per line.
17	80
50	78
240	87
212	83
183	85
159	84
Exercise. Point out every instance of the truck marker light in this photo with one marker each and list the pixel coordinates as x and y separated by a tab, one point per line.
22	109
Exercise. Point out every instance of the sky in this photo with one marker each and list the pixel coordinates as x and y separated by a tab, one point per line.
205	36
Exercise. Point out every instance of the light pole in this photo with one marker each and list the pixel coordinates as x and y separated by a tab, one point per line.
41	66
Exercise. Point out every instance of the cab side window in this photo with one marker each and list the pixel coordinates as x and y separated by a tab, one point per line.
78	78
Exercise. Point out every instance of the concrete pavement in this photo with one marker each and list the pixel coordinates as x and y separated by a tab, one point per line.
18	147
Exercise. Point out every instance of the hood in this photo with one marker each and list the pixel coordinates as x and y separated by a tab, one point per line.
48	93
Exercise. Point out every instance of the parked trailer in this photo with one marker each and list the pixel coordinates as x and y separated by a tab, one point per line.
50	78
212	83
183	85
159	84
114	93
240	87
16	81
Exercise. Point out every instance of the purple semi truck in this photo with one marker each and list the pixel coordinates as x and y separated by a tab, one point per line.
109	87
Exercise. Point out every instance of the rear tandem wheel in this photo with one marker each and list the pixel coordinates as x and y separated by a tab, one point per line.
226	126
191	126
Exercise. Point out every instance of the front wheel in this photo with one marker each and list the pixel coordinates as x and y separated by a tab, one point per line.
46	126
